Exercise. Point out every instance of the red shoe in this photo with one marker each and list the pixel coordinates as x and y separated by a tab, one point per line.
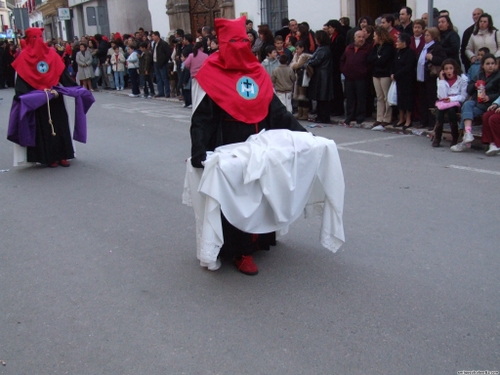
246	265
53	165
64	163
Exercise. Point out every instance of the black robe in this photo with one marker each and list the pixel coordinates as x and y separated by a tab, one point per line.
404	70
49	148
212	127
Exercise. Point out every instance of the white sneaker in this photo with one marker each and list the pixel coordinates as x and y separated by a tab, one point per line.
117	89
379	128
133	95
143	96
492	150
212	266
460	147
150	97
468	137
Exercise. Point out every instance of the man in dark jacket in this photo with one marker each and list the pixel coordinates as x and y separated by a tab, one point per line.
161	55
354	66
285	30
465	38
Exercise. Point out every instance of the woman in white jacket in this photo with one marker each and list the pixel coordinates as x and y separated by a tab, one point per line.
485	35
451	92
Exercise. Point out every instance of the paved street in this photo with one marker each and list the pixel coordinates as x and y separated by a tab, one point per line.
98	269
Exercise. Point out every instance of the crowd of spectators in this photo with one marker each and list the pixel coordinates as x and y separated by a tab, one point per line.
341	71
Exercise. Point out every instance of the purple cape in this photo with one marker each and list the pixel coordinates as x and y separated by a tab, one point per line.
22	122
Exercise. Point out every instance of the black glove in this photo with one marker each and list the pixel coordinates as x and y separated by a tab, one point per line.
196	161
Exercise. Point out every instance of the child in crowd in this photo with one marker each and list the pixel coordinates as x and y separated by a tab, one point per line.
214	46
185	79
118	64
452	92
484	90
290	44
283	79
476	65
270	62
145	70
280	48
133	69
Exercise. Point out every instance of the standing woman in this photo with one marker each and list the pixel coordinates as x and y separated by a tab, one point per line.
92	48
321	84
484	35
298	65
403	72
381	58
337	48
85	71
449	39
432	55
267	39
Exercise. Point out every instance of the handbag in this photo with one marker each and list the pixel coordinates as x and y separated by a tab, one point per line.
97	71
305	80
434	70
109	70
446	105
392	95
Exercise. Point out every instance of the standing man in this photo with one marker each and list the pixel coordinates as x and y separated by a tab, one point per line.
161	55
285	29
293	26
354	66
405	22
478	12
388	24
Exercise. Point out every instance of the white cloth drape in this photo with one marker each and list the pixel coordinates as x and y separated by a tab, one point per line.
265	184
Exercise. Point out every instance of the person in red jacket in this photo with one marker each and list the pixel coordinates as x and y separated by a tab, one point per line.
354	66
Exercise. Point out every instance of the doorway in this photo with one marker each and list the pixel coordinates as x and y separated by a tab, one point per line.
203	13
376	8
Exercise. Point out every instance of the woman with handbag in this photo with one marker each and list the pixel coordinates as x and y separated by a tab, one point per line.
452	92
301	84
381	58
428	68
321	84
403	72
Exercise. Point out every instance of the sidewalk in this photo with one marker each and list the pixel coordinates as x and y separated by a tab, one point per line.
476	130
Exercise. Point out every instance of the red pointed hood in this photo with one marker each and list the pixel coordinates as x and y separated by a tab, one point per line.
233	77
39	65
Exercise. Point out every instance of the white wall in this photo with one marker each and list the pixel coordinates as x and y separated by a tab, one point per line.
252	8
159	17
315	12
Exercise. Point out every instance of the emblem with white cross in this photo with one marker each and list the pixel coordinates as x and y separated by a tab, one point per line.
247	88
42	67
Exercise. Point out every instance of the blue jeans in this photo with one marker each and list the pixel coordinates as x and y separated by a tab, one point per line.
162	79
119	81
469	112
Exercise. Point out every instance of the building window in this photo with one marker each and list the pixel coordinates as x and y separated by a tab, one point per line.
273	11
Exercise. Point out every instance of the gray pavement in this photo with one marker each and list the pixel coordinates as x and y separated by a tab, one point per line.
98	271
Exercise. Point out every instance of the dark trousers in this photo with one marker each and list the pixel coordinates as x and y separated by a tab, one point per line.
452	115
148	84
162	79
355	92
186	94
427	95
134	81
337	104
323	111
